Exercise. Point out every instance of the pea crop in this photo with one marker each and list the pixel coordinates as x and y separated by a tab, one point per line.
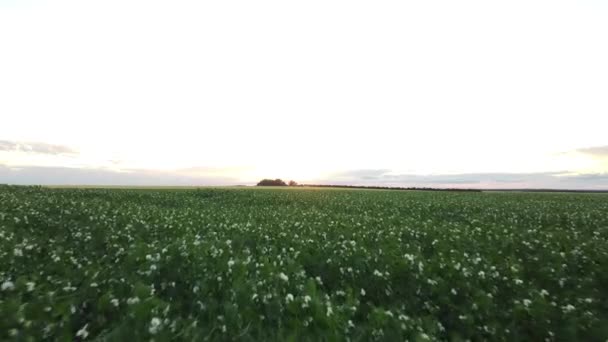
301	264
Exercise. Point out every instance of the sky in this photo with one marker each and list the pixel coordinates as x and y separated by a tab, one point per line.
475	94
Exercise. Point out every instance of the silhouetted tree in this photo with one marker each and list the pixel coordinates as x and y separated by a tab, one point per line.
270	182
292	183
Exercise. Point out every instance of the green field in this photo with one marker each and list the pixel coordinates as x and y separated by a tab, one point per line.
302	265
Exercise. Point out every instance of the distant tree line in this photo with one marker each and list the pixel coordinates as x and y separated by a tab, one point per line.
387	187
276	182
280	182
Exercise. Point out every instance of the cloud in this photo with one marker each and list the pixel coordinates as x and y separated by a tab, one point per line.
595	151
601	176
548	180
213	171
30	175
35	147
366	174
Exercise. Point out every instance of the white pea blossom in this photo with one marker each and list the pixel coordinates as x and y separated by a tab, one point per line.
289	298
7	285
30	286
307	300
133	300
568	308
83	333
155	325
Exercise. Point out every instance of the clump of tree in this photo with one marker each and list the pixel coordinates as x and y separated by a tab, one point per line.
292	183
272	182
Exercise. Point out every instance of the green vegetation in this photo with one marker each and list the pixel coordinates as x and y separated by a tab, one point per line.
271	182
302	264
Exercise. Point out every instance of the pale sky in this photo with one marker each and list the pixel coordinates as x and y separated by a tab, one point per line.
448	93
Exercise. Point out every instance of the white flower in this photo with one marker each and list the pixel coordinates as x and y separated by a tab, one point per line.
363	292
154	325
568	308
7	285
518	281
377	273
329	311
83	332
114	302
230	263
30	286
454	292
527	302
18	252
133	300
544	292
283	277
289	298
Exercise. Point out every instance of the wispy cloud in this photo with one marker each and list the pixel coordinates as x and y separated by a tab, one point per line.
36	147
595	151
553	180
592	177
215	171
28	175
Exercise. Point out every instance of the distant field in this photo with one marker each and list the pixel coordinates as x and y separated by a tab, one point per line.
303	265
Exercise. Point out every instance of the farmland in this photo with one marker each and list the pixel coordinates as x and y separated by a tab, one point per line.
301	264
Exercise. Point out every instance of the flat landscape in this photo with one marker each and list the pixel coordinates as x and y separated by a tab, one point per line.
306	264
